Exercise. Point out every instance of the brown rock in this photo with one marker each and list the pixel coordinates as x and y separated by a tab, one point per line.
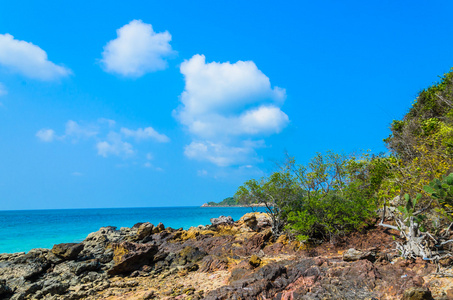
129	257
353	255
68	251
159	228
144	230
250	220
417	293
255	261
211	264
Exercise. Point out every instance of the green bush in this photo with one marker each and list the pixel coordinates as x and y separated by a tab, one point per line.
330	216
337	196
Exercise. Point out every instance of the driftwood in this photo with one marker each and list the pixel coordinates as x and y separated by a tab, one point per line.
417	243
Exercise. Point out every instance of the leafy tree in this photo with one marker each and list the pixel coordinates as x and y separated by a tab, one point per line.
442	192
277	192
331	195
336	196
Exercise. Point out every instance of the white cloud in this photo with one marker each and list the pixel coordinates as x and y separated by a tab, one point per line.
224	87
143	134
28	59
264	119
106	140
221	154
46	135
223	105
114	146
77	131
137	50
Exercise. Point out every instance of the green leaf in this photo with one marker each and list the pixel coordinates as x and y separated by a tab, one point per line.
429	189
418	197
407	197
409	205
449	179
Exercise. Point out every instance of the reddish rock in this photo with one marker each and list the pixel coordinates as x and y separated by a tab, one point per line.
212	263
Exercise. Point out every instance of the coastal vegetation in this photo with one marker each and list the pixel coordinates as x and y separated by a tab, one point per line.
229	201
411	186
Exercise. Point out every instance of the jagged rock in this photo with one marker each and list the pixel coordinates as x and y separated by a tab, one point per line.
4	288
144	230
255	261
67	251
353	255
129	257
27	266
159	228
212	263
222	220
257	242
263	221
245	261
189	255
417	293
250	220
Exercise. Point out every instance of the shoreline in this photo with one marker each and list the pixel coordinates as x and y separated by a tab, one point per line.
57	226
222	260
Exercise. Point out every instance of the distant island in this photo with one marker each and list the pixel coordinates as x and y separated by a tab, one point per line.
232	202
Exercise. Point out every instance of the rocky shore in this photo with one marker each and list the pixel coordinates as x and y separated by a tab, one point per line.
224	260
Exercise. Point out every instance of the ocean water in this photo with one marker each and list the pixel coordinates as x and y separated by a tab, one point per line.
27	229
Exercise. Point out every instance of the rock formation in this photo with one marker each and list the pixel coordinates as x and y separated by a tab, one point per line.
224	260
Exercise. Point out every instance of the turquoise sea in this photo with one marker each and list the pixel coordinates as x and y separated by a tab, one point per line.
27	229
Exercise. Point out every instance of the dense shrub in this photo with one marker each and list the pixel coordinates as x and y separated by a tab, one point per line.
331	195
337	196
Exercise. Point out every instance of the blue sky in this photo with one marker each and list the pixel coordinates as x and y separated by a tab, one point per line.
173	103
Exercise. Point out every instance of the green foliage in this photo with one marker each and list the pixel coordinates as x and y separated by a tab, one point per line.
336	196
229	201
333	194
278	192
442	192
329	216
409	210
431	116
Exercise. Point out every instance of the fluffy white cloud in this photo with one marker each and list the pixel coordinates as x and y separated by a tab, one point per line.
143	134
46	135
224	87
114	146
223	105
28	59
137	50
